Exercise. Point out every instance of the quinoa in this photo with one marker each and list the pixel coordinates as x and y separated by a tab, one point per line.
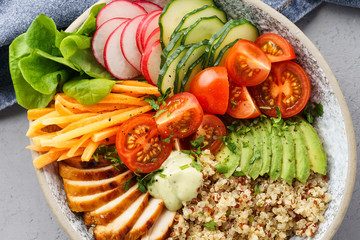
242	208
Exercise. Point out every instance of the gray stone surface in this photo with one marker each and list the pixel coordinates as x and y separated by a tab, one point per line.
24	213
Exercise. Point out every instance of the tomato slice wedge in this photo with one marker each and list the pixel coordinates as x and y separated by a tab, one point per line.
210	130
211	88
139	144
241	104
181	116
247	64
275	47
287	87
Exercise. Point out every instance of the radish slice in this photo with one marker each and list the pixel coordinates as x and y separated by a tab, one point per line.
101	35
150	26
115	61
119	8
150	62
140	28
154	36
148	6
128	42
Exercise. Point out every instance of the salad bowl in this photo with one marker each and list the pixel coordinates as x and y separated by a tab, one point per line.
334	127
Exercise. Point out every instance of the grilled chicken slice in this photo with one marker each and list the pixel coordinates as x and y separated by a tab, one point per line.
91	202
113	209
161	227
118	228
82	188
80	174
76	162
147	219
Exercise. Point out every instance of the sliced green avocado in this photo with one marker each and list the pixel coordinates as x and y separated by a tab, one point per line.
247	149
301	158
228	159
288	160
277	153
315	150
266	147
256	160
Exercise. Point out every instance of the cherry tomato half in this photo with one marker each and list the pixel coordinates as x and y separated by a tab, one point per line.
241	105
287	87
140	146
247	64
211	129
211	88
275	47
181	116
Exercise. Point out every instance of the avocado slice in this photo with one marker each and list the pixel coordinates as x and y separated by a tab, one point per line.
315	150
301	158
288	160
266	146
227	159
277	153
256	160
247	148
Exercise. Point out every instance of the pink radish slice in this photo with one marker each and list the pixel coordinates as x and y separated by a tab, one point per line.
142	24
154	36
115	61
148	6
119	8
101	35
150	62
148	29
128	42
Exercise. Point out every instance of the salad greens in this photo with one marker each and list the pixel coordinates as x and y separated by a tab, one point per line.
44	61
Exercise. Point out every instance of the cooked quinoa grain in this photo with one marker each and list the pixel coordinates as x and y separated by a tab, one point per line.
229	208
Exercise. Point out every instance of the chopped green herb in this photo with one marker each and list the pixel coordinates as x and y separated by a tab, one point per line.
228	212
127	185
142	187
109	153
230	145
201	214
168	114
197	142
168	139
210	225
313	110
256	156
145	180
196	165
158	113
152	102
233	105
265	108
251	219
162	175
238	174
139	170
256	190
153	160
183	167
245	144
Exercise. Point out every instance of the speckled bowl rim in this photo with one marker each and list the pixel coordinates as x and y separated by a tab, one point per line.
349	129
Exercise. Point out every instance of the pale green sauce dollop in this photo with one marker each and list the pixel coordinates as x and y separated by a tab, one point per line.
178	182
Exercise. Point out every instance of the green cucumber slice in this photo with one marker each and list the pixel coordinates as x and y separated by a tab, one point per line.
194	69
202	29
172	46
241	29
220	60
167	72
191	17
192	55
172	14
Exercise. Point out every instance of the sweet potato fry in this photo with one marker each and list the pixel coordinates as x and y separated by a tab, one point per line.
84	139
37	124
77	153
62	109
67	119
106	133
34	114
89	151
47	158
123	99
151	90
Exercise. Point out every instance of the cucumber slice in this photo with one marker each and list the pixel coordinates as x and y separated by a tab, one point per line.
191	56
172	14
241	29
192	17
202	29
220	60
194	69
167	72
172	46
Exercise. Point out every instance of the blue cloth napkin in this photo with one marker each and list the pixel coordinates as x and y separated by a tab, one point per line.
17	15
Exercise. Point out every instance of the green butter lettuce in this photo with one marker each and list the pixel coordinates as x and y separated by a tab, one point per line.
77	49
89	26
60	60
26	95
88	91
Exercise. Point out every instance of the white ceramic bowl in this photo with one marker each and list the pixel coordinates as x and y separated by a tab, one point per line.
334	127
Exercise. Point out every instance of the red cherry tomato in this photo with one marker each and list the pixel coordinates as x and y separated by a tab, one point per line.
211	88
275	47
210	129
241	105
247	64
140	146
181	116
287	87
